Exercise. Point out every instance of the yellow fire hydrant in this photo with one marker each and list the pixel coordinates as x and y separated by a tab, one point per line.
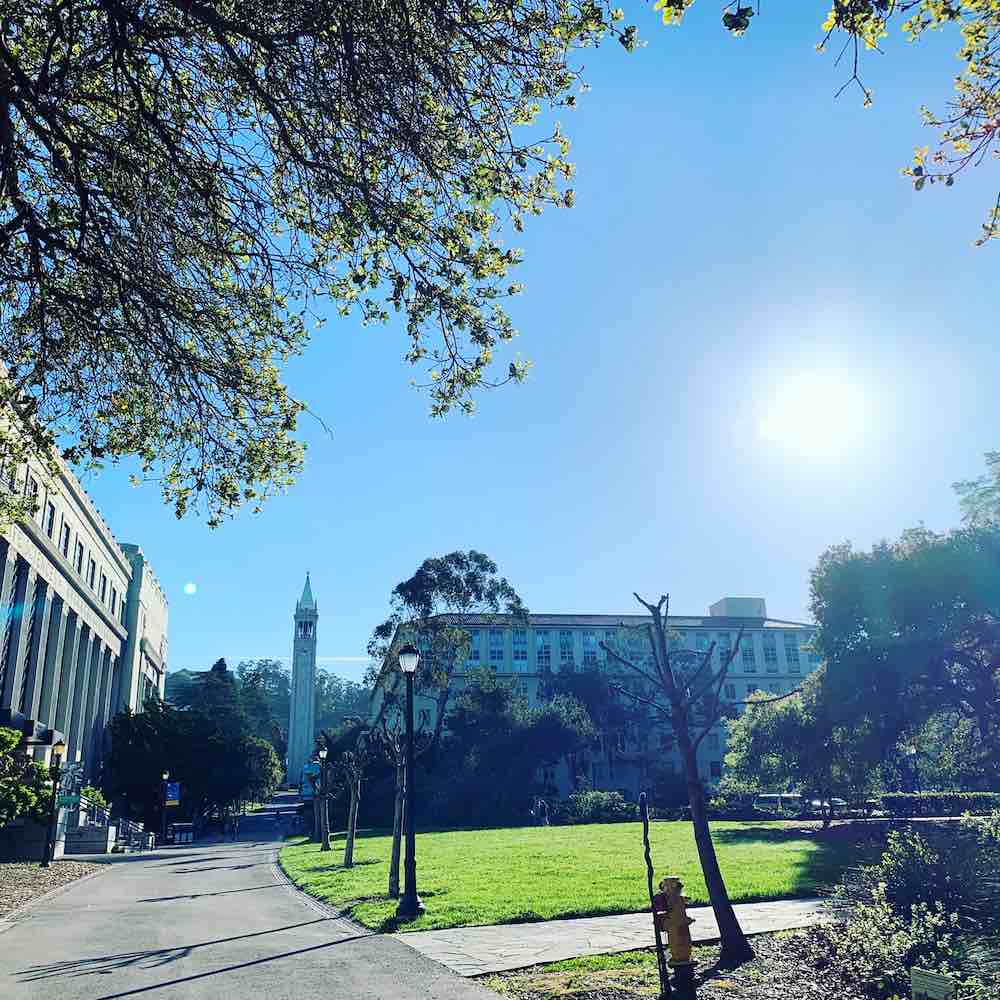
670	908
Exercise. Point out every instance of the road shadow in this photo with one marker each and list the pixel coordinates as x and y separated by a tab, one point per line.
217	868
200	895
151	959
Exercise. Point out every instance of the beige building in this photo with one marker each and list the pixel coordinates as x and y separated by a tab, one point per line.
84	621
774	656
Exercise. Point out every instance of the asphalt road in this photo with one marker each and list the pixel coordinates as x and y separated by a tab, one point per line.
207	921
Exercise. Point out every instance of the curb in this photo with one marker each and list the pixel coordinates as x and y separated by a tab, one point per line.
317	905
13	915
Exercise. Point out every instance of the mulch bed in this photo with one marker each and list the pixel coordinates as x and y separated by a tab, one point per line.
21	882
780	971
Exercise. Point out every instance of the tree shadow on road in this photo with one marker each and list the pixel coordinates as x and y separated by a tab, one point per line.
198	895
152	959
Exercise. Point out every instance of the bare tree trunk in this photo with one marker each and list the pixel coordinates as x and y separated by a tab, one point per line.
735	947
352	822
397	834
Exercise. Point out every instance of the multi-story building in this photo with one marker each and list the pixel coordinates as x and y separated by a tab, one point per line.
773	657
83	621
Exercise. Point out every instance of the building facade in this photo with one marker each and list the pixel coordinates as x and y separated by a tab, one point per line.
68	596
302	707
773	658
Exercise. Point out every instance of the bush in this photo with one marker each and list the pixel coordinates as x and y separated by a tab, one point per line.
932	900
95	795
593	807
906	804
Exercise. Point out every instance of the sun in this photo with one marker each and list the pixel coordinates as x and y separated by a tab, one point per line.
815	413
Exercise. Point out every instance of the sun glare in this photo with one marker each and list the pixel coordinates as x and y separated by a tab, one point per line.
815	413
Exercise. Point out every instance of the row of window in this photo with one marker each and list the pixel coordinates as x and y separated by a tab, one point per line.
96	580
635	649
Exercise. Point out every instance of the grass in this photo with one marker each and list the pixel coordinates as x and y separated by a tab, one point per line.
468	877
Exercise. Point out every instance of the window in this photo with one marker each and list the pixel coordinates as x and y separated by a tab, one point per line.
722	640
475	645
496	647
566	648
32	487
91	573
636	649
792	652
715	768
713	741
589	649
701	642
770	652
731	692
104	587
746	650
522	688
543	649
64	540
78	557
751	689
50	518
114	601
122	610
520	648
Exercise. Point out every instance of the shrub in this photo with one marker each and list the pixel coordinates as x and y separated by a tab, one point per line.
932	900
593	807
906	804
95	795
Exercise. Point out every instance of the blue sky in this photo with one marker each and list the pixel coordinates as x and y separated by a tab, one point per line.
743	249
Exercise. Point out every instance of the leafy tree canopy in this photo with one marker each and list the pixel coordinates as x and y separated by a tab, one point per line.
913	627
181	183
980	498
967	128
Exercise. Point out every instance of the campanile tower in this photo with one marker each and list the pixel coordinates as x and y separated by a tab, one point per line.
301	716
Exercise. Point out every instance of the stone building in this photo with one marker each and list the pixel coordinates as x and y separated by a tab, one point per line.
774	656
302	708
83	621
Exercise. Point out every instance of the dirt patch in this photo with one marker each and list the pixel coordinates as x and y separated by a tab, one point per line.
21	882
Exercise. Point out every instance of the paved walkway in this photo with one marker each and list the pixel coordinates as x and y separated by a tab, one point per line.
204	922
474	951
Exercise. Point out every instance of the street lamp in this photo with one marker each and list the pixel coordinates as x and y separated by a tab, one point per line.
910	752
58	752
163	812
410	905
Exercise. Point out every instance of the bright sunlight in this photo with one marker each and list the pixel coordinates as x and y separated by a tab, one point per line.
815	413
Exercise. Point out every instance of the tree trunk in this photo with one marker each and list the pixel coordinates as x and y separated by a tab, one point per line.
314	833
397	834
352	822
735	947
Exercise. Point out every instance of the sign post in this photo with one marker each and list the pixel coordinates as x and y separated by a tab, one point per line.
173	793
932	985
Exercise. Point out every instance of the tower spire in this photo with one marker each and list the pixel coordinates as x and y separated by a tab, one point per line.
307	600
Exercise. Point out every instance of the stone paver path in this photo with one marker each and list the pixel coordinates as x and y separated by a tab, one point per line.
475	951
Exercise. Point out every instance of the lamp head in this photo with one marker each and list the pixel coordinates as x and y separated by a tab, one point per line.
322	752
409	657
59	749
166	774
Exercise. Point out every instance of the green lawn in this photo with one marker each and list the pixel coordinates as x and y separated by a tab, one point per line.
537	873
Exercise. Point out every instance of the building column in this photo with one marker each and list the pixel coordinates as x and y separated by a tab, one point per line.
101	713
90	702
75	727
67	673
35	638
15	580
46	695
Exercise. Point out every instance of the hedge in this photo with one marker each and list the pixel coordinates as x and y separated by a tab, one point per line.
906	804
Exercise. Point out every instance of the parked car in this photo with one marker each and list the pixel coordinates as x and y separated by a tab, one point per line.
784	803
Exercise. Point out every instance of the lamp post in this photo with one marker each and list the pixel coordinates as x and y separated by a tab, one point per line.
324	811
911	755
163	803
58	751
410	905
